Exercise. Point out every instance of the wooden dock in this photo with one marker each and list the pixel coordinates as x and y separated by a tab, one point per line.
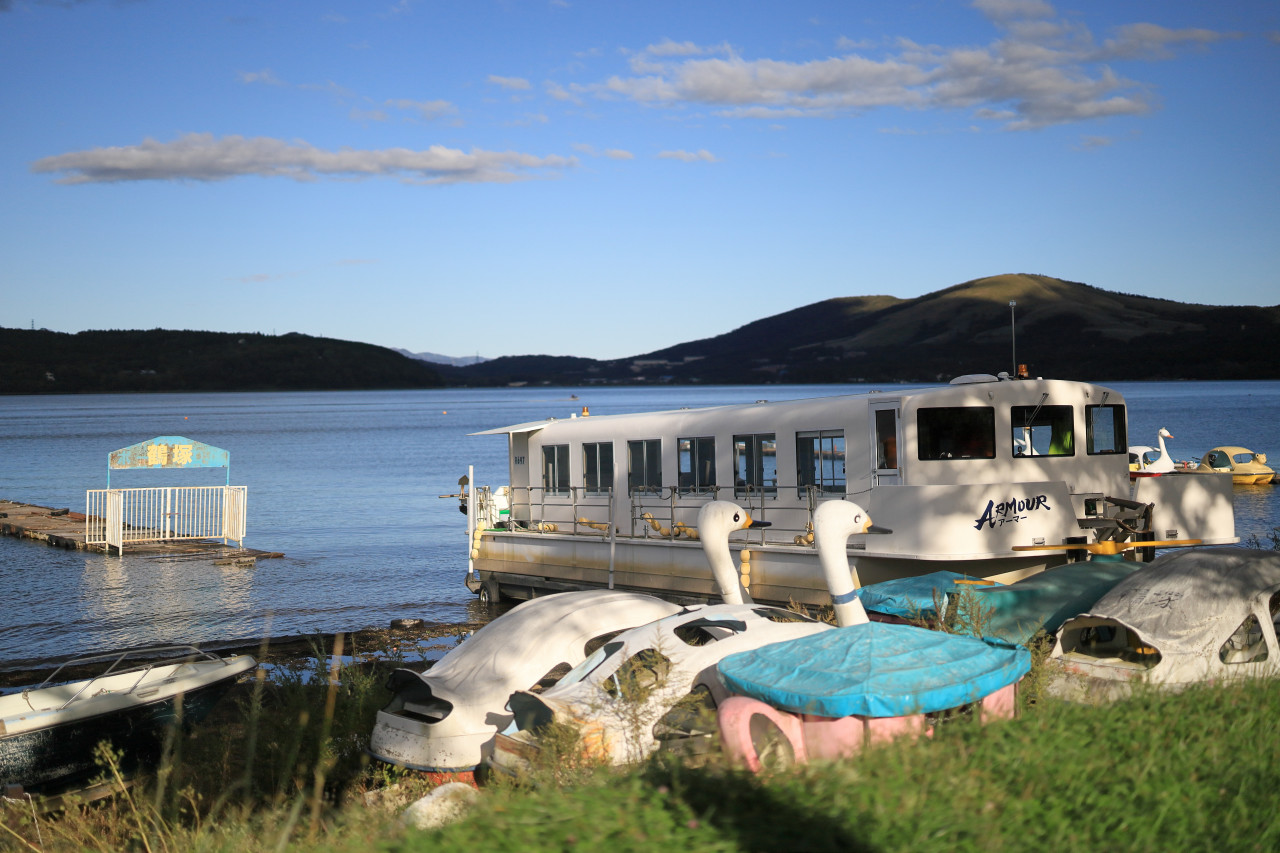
62	528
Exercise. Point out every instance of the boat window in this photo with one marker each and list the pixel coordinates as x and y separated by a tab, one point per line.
1103	640
1274	606
1043	430
956	432
1218	459
553	675
697	464
886	439
597	467
555	469
639	675
593	662
1243	458
1246	644
1105	430
644	472
755	465
590	647
820	461
777	614
690	723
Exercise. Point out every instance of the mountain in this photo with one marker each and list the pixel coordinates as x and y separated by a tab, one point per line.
1064	330
436	358
39	361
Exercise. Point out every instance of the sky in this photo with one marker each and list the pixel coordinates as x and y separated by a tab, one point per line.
605	179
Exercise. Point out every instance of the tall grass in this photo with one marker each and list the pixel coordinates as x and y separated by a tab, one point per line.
1194	771
282	767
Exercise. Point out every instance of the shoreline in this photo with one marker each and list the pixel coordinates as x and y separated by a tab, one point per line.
364	643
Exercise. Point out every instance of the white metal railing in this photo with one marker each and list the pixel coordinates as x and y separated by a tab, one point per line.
116	517
659	513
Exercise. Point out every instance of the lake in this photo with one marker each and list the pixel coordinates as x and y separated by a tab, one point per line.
346	484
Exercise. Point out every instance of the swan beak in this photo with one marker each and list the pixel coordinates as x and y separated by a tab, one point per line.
875	528
755	523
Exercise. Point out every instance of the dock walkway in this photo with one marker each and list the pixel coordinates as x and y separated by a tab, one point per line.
62	528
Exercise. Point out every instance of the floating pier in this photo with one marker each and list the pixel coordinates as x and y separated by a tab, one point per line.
63	528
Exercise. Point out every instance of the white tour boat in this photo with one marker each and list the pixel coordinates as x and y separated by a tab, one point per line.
961	473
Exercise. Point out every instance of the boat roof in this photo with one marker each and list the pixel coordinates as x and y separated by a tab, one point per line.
890	392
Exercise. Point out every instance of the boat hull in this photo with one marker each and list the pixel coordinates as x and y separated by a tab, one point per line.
57	755
525	565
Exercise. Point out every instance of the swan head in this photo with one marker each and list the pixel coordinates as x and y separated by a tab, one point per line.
716	520
845	519
833	523
1164	433
720	518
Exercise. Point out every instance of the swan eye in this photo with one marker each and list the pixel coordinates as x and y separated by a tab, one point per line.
737	517
857	518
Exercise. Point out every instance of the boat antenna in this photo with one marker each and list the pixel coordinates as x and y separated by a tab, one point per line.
1013	335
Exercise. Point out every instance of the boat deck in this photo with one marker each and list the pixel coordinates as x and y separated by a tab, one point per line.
63	528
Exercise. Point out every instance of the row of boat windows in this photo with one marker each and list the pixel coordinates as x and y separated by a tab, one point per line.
951	432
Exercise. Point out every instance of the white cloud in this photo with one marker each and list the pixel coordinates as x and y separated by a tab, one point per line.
1089	143
1042	71
611	153
699	156
266	76
201	157
1004	10
1152	41
667	47
425	110
360	115
515	84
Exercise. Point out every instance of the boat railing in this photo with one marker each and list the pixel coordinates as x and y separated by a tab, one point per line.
666	512
155	657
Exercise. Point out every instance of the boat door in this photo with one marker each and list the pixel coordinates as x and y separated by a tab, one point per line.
886	438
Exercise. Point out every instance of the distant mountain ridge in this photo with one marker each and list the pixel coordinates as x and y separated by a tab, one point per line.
1064	329
37	361
436	358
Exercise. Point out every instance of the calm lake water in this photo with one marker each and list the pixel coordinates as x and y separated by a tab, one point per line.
346	484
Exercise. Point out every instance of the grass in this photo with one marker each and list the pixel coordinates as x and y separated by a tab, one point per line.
1161	772
280	766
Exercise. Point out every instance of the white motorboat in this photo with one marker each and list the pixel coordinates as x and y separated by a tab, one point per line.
48	732
963	473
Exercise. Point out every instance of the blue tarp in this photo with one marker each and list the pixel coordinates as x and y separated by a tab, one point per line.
1014	612
1046	600
911	598
874	670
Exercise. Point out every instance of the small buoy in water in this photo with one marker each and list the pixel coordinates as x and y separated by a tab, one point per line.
184	417
445	412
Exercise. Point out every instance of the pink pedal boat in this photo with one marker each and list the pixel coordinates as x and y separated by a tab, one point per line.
825	696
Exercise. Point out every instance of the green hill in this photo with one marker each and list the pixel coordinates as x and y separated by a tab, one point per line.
1064	329
40	361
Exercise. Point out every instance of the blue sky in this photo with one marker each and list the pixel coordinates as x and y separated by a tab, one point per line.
606	179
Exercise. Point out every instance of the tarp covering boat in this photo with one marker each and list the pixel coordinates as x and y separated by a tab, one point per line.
1013	612
874	670
1017	611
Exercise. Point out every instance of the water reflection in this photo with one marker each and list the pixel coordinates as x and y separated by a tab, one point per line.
345	483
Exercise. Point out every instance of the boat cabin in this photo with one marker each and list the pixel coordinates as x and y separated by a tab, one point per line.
963	472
